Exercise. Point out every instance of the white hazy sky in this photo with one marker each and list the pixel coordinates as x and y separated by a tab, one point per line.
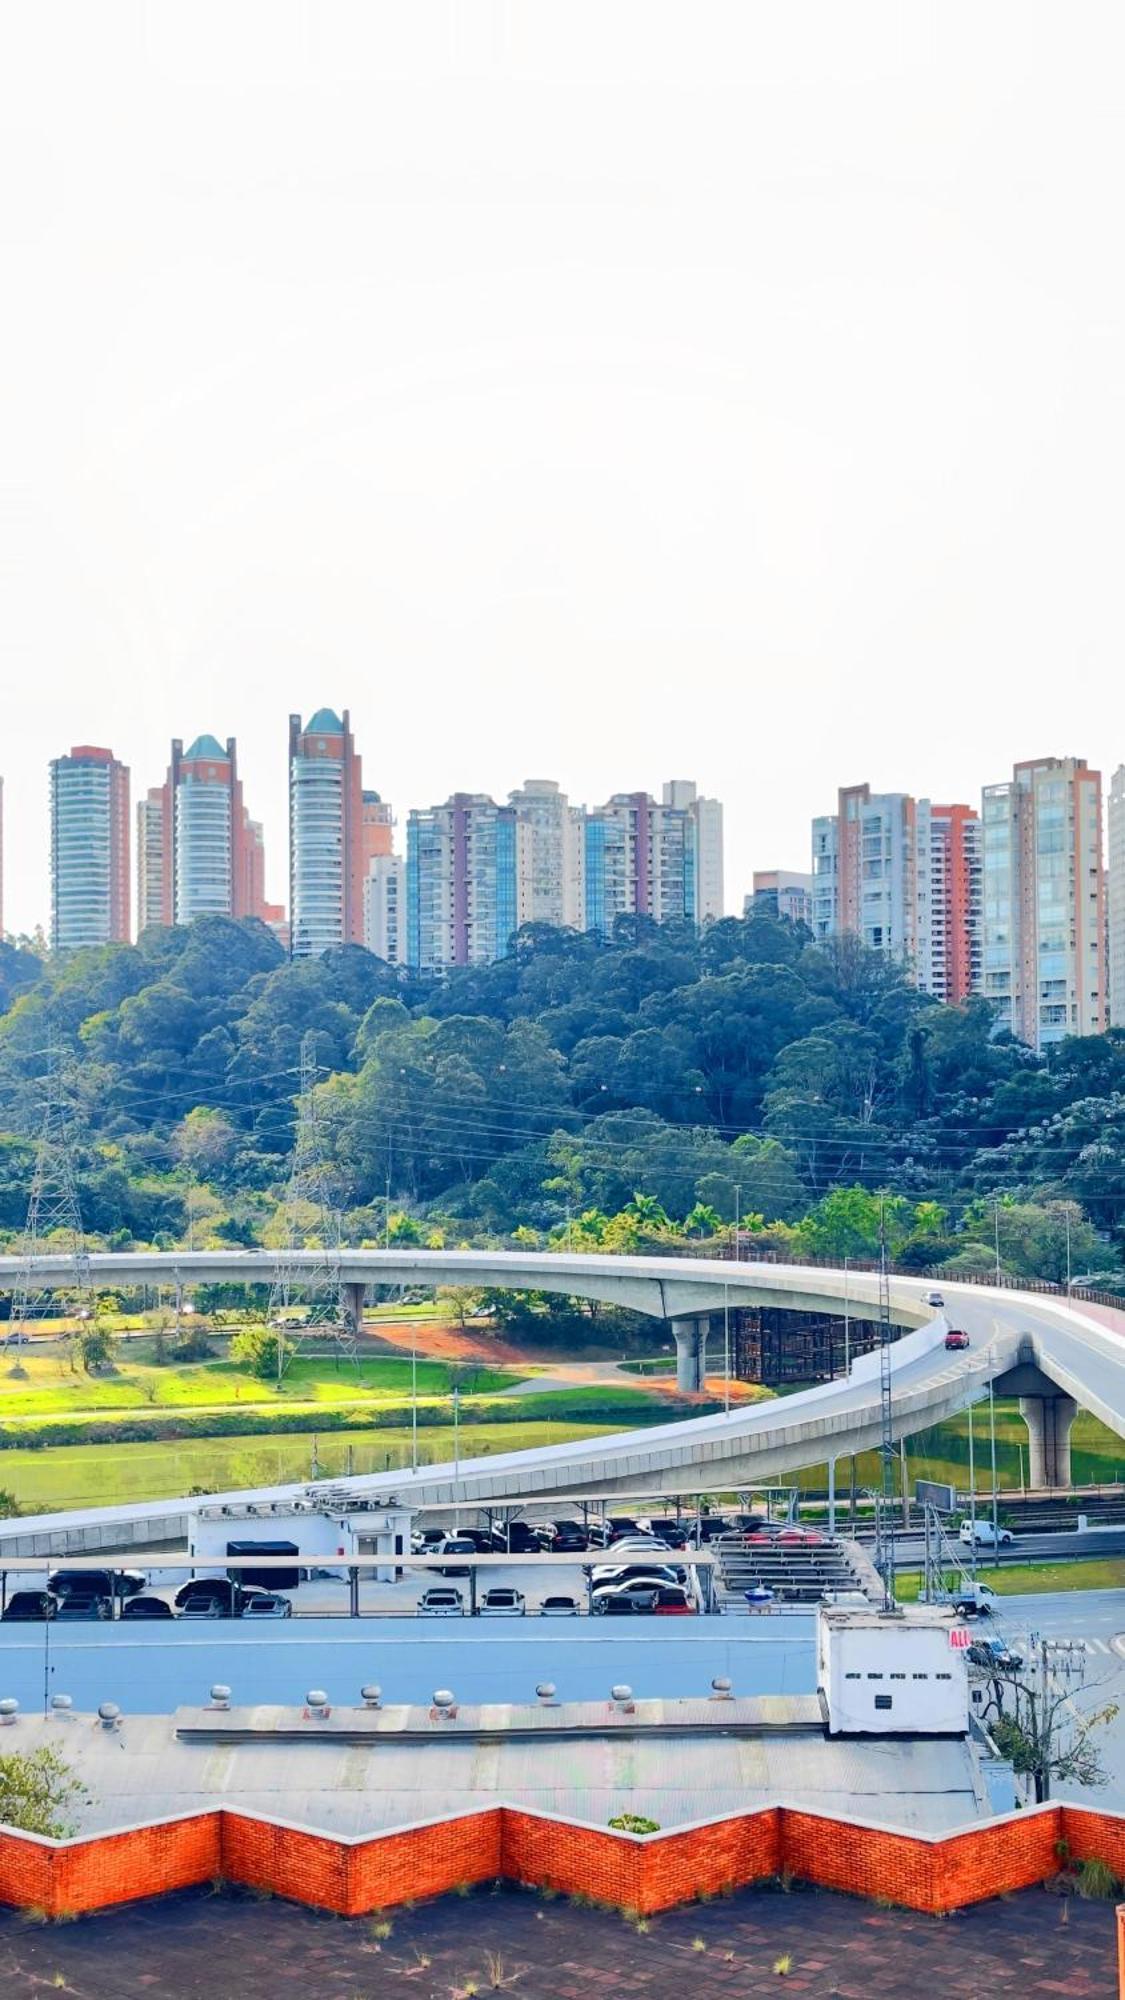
602	391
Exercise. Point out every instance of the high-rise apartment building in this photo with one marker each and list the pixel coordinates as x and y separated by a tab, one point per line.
556	890
904	875
153	874
1115	896
211	850
652	860
89	849
326	835
947	878
1043	962
384	908
781	892
467	873
378	828
683	796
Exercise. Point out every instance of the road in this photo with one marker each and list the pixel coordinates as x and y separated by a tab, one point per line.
1094	1542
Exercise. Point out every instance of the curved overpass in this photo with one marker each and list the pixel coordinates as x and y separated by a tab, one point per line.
1052	1353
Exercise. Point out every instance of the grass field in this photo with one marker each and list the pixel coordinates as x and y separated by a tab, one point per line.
48	1387
1014	1579
93	1475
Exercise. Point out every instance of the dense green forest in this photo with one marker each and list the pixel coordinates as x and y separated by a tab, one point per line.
630	1091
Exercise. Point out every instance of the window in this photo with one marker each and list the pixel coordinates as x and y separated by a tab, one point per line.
883	1700
943	1677
919	1677
874	1677
853	1677
898	1677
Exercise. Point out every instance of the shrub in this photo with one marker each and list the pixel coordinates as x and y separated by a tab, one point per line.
634	1823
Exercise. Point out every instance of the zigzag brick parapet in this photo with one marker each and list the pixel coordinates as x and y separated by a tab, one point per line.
353	1875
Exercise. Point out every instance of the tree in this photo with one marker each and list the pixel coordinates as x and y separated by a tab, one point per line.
95	1347
1042	1732
38	1791
264	1350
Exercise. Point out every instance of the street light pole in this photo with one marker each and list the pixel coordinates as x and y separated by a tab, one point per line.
992	1444
1067	1213
457	1462
847	1325
726	1350
996	1235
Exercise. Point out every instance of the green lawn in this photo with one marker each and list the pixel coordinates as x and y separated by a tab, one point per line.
92	1475
1014	1579
48	1387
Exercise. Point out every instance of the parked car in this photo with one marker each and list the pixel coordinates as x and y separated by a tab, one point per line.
147	1607
560	1537
956	1337
214	1597
267	1604
96	1582
24	1604
480	1539
441	1602
995	1656
503	1603
933	1299
982	1535
455	1545
628	1572
806	1538
673	1534
424	1541
559	1607
615	1599
673	1601
602	1533
515	1538
84	1604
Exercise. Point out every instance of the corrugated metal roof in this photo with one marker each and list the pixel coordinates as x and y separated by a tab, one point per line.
141	1771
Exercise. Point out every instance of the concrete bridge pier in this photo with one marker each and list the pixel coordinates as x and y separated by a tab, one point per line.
691	1352
354	1296
1048	1420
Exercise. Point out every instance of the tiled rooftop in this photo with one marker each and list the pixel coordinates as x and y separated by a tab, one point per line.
198	1946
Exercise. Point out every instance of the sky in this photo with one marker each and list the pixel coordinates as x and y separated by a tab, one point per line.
605	392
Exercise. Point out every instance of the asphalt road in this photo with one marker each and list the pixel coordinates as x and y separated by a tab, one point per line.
910	1548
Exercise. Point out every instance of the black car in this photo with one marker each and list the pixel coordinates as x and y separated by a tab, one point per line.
480	1539
515	1538
96	1582
30	1604
455	1545
213	1597
147	1607
561	1538
994	1656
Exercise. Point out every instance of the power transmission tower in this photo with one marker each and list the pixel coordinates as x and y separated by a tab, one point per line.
317	1285
54	1218
886	1406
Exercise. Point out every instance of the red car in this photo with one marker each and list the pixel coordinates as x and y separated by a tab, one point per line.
956	1337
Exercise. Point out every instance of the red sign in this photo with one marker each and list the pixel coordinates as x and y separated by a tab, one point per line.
959	1637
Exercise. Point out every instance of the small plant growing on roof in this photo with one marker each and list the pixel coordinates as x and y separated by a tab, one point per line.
783	1965
634	1823
38	1791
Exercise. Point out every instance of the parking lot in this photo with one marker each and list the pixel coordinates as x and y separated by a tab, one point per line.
736	1570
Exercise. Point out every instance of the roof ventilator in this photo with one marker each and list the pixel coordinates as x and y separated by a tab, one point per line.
109	1715
546	1692
9	1710
316	1706
220	1696
623	1699
61	1705
372	1696
445	1706
721	1689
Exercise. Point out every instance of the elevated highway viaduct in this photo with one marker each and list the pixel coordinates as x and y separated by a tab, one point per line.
1054	1354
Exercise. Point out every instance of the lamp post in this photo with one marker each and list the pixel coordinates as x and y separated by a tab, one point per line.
996	1236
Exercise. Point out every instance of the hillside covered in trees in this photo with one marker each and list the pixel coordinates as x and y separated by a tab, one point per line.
630	1091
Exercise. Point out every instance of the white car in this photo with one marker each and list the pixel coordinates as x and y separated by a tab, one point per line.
441	1603
503	1603
981	1534
932	1299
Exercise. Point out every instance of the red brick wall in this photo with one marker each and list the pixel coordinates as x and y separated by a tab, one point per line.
398	1867
351	1878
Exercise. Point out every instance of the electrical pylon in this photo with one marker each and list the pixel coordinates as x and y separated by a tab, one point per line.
54	1218
318	1285
886	1408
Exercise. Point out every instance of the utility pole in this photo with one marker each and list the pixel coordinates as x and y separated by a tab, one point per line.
886	1402
996	1237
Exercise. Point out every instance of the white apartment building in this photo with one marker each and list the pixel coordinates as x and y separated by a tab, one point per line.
1115	896
384	908
1044	901
681	795
556	856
